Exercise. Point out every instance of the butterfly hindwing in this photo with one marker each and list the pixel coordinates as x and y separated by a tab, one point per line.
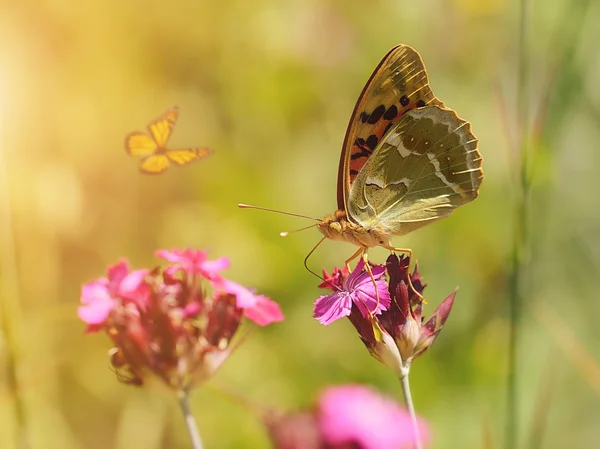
182	157
397	85
424	168
154	164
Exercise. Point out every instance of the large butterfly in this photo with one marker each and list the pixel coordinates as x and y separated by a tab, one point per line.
406	161
156	157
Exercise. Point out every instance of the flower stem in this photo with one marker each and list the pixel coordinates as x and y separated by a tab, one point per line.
521	239
11	313
189	419
409	405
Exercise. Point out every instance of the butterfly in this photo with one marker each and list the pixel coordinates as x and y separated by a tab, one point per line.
151	146
406	161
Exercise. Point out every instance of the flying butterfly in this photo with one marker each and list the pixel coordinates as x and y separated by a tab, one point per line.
151	146
407	160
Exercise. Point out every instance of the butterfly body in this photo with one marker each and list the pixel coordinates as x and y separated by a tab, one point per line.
339	227
152	145
407	160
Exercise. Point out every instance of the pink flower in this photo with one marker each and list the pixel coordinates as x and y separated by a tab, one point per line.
396	332
176	323
357	289
349	416
359	415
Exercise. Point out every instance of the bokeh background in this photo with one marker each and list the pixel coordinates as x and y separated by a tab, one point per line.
270	87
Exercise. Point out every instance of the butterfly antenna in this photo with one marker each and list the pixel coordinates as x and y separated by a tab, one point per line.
247	206
310	254
286	233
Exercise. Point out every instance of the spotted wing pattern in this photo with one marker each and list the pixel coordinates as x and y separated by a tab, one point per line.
398	84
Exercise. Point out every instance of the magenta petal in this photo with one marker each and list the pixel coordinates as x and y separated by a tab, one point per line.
210	267
132	282
358	415
117	272
244	297
175	255
266	311
97	303
134	288
366	300
332	307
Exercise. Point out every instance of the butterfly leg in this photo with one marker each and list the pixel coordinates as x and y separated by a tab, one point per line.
354	256
409	252
368	268
362	251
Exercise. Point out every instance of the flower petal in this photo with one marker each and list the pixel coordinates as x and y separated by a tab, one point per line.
210	268
97	303
116	273
332	307
367	301
266	311
359	415
244	297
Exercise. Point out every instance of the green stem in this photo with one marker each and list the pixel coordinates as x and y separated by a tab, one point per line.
190	423
521	239
410	406
10	306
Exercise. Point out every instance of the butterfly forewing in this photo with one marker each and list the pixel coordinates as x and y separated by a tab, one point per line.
161	128
139	144
397	85
426	166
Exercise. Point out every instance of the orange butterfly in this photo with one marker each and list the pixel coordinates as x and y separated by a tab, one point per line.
157	158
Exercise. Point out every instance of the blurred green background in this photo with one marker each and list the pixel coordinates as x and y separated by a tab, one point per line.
270	87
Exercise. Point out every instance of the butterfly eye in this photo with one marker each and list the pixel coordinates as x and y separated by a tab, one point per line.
335	227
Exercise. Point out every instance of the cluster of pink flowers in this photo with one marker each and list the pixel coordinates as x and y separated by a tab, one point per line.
348	416
176	322
388	315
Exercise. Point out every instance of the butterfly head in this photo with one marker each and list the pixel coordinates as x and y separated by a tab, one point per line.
338	227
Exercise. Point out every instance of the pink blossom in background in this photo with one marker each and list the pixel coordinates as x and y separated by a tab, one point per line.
175	322
358	289
244	297
194	262
100	297
97	303
265	311
360	415
347	416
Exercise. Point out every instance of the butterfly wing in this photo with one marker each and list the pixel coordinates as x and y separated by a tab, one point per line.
188	155
161	128
139	144
154	164
398	84
424	168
